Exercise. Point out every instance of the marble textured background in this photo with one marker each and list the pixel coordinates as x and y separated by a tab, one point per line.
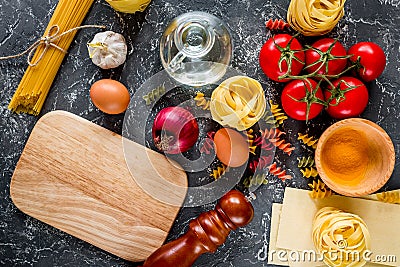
24	241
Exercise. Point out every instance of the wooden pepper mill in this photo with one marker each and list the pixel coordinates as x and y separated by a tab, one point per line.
206	233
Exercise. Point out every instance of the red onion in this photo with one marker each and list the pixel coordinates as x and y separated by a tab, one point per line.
175	130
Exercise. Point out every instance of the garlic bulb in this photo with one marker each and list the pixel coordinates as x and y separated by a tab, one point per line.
108	49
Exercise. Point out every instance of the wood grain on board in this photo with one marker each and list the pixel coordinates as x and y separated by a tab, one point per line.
72	175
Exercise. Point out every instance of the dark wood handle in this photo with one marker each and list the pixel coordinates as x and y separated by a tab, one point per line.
206	233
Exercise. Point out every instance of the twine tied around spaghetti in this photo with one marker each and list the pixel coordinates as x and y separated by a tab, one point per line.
48	41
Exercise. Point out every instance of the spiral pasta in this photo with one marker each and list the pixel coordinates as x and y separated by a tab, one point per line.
263	143
250	134
310	141
258	179
201	101
250	139
273	136
319	189
278	172
154	94
342	232
277	24
279	116
309	172
260	163
389	197
252	147
315	17
207	146
273	133
269	118
283	145
219	171
238	102
305	162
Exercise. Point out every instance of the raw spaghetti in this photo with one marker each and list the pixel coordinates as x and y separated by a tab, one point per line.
36	82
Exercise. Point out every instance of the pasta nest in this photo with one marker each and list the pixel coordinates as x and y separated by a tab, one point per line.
238	102
343	233
129	6
315	17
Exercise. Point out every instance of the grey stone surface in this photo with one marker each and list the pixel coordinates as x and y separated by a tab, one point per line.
25	241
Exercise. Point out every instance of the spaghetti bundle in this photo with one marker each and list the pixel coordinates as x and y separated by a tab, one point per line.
36	82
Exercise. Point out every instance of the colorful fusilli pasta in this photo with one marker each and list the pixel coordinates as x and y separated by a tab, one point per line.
306	162
154	94
283	145
272	133
258	179
278	172
273	136
389	197
250	139
309	172
201	101
319	189
269	118
219	171
277	24
260	163
207	146
279	116
263	143
250	134
310	141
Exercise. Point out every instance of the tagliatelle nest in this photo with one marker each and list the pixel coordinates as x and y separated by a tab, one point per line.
345	234
315	17
129	6
238	102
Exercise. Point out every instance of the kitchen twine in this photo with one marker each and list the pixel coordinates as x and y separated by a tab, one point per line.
48	41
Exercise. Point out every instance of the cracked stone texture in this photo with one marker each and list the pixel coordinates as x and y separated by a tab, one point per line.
25	241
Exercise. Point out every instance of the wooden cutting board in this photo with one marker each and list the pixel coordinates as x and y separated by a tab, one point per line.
72	175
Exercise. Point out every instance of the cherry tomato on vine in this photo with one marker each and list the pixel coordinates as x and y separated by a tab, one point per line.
371	60
326	56
348	99
302	99
281	54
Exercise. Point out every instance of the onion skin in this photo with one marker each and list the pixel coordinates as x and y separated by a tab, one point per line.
175	130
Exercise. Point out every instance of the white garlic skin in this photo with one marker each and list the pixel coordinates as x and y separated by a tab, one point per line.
108	49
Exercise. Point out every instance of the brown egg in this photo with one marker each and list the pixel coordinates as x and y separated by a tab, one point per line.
231	147
110	96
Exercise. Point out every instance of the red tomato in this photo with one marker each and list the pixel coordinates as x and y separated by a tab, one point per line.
326	56
302	99
277	53
348	99
372	60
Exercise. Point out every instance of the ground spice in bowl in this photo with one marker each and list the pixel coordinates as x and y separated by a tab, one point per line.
355	157
346	155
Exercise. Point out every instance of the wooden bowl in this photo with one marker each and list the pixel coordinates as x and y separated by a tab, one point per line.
355	157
